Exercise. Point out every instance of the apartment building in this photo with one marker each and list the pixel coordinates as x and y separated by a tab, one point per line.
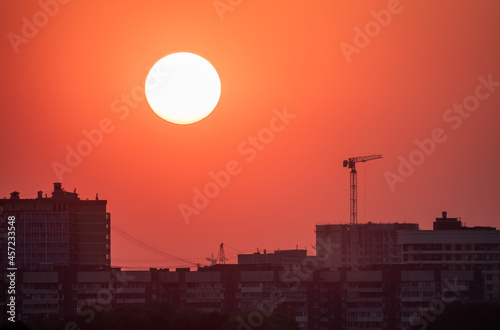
456	247
380	297
60	230
359	245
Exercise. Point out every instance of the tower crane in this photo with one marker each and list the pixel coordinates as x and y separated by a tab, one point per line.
351	163
212	260
221	258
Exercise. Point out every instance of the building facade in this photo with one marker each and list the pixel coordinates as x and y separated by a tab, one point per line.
359	245
456	247
61	230
385	297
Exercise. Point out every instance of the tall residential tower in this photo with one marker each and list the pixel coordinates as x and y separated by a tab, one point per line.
61	230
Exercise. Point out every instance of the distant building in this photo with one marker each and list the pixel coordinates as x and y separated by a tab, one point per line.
278	258
446	223
379	297
359	245
456	247
61	230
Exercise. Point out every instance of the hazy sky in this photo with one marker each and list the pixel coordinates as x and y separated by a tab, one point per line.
305	85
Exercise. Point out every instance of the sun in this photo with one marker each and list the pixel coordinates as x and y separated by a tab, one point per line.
183	88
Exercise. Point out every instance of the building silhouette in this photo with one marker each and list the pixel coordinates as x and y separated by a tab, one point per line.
456	247
378	276
278	258
359	245
61	230
377	297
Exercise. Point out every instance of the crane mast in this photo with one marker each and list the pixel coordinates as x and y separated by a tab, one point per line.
351	163
221	258
353	220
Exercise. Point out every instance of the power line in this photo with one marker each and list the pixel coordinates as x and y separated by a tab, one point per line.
143	244
229	246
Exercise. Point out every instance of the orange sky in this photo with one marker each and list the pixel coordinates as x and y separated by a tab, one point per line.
350	93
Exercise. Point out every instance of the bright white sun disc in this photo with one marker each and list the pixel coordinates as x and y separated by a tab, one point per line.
183	88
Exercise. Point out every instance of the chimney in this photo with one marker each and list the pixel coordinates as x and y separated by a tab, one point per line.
444	213
40	194
57	186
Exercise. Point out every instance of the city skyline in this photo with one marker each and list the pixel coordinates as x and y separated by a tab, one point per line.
66	218
373	275
303	88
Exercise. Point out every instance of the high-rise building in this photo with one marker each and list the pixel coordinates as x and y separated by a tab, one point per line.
359	245
456	247
61	230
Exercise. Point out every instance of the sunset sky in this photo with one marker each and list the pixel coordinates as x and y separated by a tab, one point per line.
305	85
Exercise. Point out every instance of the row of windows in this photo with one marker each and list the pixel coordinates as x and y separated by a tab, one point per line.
26	216
367	325
41	306
411	304
364	305
130	296
449	247
407	315
372	249
31	246
102	285
365	285
203	305
44	297
449	257
40	226
43	257
418	284
41	286
364	261
201	295
256	284
204	285
106	285
365	314
252	295
33	234
364	294
416	294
